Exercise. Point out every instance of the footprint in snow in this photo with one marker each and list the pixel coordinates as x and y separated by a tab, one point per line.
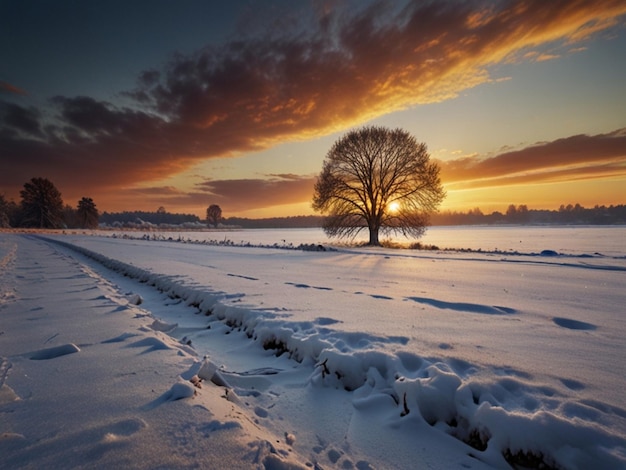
249	278
121	338
573	324
151	344
300	286
306	286
464	306
52	353
380	297
573	384
215	426
125	427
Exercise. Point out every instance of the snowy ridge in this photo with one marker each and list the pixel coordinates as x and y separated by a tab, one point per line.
503	415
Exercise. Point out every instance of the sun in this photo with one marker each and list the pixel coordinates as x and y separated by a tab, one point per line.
393	206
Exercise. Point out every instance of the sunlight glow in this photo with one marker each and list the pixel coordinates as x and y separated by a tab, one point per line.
393	206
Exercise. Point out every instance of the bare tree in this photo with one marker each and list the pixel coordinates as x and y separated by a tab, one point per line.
213	215
42	205
379	179
87	213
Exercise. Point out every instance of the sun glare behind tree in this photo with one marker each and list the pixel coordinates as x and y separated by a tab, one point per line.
377	179
393	207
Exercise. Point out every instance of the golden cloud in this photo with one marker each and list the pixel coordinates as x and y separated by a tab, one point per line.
577	157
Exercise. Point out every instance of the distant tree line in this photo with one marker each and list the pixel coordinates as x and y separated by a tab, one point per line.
42	206
567	215
139	218
300	221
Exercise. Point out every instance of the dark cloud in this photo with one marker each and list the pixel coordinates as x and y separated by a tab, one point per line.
575	157
252	93
92	145
20	119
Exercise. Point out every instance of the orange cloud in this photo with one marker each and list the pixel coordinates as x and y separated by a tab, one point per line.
577	157
252	93
545	57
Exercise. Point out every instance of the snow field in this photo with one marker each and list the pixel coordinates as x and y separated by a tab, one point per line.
568	412
352	358
86	382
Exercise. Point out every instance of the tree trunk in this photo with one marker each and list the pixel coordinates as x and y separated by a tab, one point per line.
374	236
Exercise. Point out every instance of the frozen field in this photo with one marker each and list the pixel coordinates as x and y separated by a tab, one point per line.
345	358
572	240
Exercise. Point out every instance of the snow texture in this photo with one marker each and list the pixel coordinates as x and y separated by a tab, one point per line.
335	358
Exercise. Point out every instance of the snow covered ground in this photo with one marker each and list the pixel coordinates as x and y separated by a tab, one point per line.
146	352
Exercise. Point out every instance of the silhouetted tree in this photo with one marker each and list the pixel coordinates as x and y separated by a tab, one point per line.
161	216
70	217
8	210
518	215
522	213
42	205
213	215
511	212
87	213
379	179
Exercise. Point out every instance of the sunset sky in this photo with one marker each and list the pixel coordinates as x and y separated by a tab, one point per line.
141	104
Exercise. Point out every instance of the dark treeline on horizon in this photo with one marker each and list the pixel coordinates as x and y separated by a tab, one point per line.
160	217
298	221
138	218
567	215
